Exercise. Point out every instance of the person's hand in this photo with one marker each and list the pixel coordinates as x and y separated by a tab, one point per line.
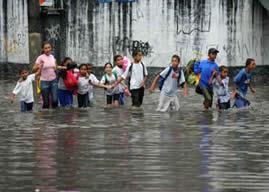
142	84
233	94
253	90
108	86
185	93
151	90
12	98
214	73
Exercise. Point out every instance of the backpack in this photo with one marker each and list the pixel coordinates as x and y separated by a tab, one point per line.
162	79
70	81
131	70
106	79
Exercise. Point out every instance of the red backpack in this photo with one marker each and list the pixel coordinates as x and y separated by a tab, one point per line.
70	81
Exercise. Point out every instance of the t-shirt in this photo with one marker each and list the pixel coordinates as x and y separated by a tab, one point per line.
83	85
25	89
242	81
61	84
205	68
48	70
137	75
171	84
119	72
222	89
94	80
110	81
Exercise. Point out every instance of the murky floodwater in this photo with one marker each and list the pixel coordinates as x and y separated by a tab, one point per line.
123	150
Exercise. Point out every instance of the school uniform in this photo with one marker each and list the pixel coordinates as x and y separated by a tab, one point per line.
25	90
111	94
222	91
83	92
136	73
169	96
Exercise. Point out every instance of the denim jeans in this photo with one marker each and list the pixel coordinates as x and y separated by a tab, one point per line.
26	106
49	91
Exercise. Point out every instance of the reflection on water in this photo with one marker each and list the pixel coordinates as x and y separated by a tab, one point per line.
125	150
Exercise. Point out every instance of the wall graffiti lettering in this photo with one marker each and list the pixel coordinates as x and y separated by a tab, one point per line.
198	20
126	44
53	32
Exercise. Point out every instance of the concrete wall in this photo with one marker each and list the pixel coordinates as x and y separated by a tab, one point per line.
14	41
266	38
93	32
163	27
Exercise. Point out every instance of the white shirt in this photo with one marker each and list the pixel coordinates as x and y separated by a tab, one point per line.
94	80
110	81
83	85
222	90
172	82
119	72
137	75
25	89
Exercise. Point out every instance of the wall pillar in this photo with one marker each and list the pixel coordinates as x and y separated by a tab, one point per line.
35	37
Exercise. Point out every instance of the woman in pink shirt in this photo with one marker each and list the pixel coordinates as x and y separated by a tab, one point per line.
47	65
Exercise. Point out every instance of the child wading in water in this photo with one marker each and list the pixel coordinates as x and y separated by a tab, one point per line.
112	92
241	83
221	87
93	80
206	68
83	87
137	73
170	80
24	88
118	69
65	95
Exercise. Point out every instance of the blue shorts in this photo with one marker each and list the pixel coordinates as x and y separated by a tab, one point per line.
26	106
240	102
65	97
121	98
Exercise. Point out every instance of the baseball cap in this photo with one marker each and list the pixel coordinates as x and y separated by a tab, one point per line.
213	50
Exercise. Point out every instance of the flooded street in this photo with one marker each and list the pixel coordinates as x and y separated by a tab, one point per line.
136	151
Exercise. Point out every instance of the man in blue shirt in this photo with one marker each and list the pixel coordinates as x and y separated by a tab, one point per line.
206	68
242	82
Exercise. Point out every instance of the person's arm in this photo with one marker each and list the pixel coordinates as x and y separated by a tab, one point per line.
185	89
237	79
197	67
59	67
181	81
251	88
154	83
212	77
143	83
15	91
100	84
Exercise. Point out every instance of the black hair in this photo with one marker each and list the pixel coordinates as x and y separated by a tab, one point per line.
116	57
45	43
89	65
108	64
82	65
222	68
249	61
176	57
66	59
23	69
135	52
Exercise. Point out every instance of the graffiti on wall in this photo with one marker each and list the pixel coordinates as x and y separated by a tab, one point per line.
128	45
53	32
196	21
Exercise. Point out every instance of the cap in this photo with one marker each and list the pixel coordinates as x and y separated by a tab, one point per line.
213	50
